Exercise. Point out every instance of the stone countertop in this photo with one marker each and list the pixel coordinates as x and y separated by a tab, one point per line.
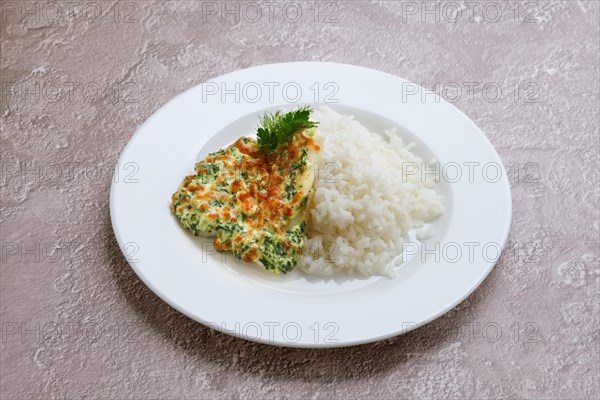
78	78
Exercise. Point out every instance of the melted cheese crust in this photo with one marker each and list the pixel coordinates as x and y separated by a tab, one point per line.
254	204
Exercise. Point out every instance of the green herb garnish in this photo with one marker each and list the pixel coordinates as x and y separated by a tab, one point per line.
277	129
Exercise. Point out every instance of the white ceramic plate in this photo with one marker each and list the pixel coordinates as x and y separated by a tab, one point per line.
296	310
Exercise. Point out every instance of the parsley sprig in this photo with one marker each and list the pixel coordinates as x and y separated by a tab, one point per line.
277	129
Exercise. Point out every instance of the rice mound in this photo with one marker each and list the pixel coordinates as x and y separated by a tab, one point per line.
364	200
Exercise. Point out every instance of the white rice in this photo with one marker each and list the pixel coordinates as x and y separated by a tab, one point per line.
365	201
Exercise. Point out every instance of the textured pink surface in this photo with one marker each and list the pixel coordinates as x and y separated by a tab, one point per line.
77	322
